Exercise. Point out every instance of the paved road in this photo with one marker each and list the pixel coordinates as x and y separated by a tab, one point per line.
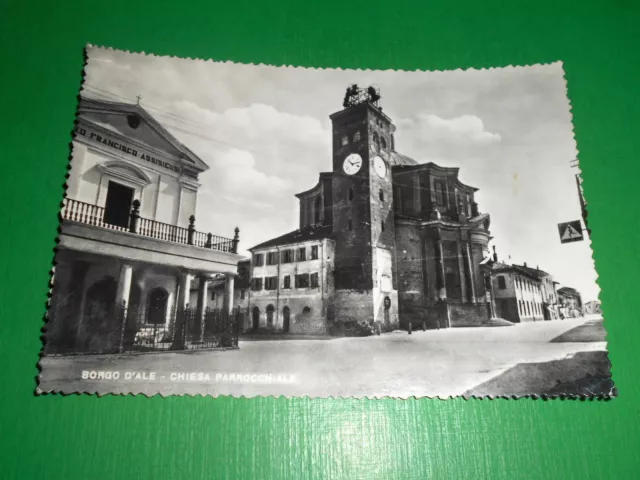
433	363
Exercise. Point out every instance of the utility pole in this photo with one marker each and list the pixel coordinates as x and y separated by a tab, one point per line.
583	204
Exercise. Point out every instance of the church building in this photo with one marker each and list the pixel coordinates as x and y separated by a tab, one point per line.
128	248
383	240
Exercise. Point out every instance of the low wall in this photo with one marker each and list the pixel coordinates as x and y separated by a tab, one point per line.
467	314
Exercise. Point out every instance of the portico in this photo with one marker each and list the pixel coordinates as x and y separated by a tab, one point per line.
129	248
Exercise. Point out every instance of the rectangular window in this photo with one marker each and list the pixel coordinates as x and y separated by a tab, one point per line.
397	199
502	284
439	189
271	283
313	280
314	252
258	259
242	294
302	254
287	281
272	258
287	256
350	224
350	194
257	283
345	140
302	280
213	296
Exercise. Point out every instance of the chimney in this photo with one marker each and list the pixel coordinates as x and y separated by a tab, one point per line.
525	264
495	255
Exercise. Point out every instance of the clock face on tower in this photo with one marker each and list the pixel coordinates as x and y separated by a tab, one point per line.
352	164
379	166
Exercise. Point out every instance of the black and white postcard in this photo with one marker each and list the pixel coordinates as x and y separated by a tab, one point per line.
253	230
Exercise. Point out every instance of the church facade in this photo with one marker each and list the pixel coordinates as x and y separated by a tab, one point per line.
128	250
401	241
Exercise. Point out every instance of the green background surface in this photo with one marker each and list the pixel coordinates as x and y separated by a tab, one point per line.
137	437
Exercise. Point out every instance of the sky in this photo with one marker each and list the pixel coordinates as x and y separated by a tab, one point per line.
265	133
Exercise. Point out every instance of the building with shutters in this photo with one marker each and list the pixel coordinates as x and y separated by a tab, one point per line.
398	242
570	303
524	294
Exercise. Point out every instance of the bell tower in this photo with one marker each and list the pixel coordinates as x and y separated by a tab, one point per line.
363	223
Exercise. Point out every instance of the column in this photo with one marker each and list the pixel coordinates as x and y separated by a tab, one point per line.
417	203
184	287
228	292
122	299
440	277
464	281
124	285
471	281
68	314
202	302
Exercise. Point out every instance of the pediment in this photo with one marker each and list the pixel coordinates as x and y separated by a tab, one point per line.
134	122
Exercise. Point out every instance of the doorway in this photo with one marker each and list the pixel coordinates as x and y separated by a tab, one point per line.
118	205
286	315
270	310
387	307
157	306
256	317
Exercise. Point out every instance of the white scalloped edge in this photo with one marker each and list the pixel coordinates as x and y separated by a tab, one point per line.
95	392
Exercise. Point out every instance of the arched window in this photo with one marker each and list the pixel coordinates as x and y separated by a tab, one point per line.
157	306
356	136
306	310
383	143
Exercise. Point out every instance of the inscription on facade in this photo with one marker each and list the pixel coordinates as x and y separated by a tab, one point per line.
101	138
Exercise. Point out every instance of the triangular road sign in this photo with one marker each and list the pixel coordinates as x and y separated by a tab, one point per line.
570	231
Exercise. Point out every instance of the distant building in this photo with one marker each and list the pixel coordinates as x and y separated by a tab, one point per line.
292	288
214	295
592	307
549	292
520	292
383	240
570	302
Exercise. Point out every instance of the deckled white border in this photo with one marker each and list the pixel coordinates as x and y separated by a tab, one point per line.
90	392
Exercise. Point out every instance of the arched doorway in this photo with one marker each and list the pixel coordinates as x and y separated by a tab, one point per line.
157	306
286	315
100	304
270	310
256	317
387	307
102	317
